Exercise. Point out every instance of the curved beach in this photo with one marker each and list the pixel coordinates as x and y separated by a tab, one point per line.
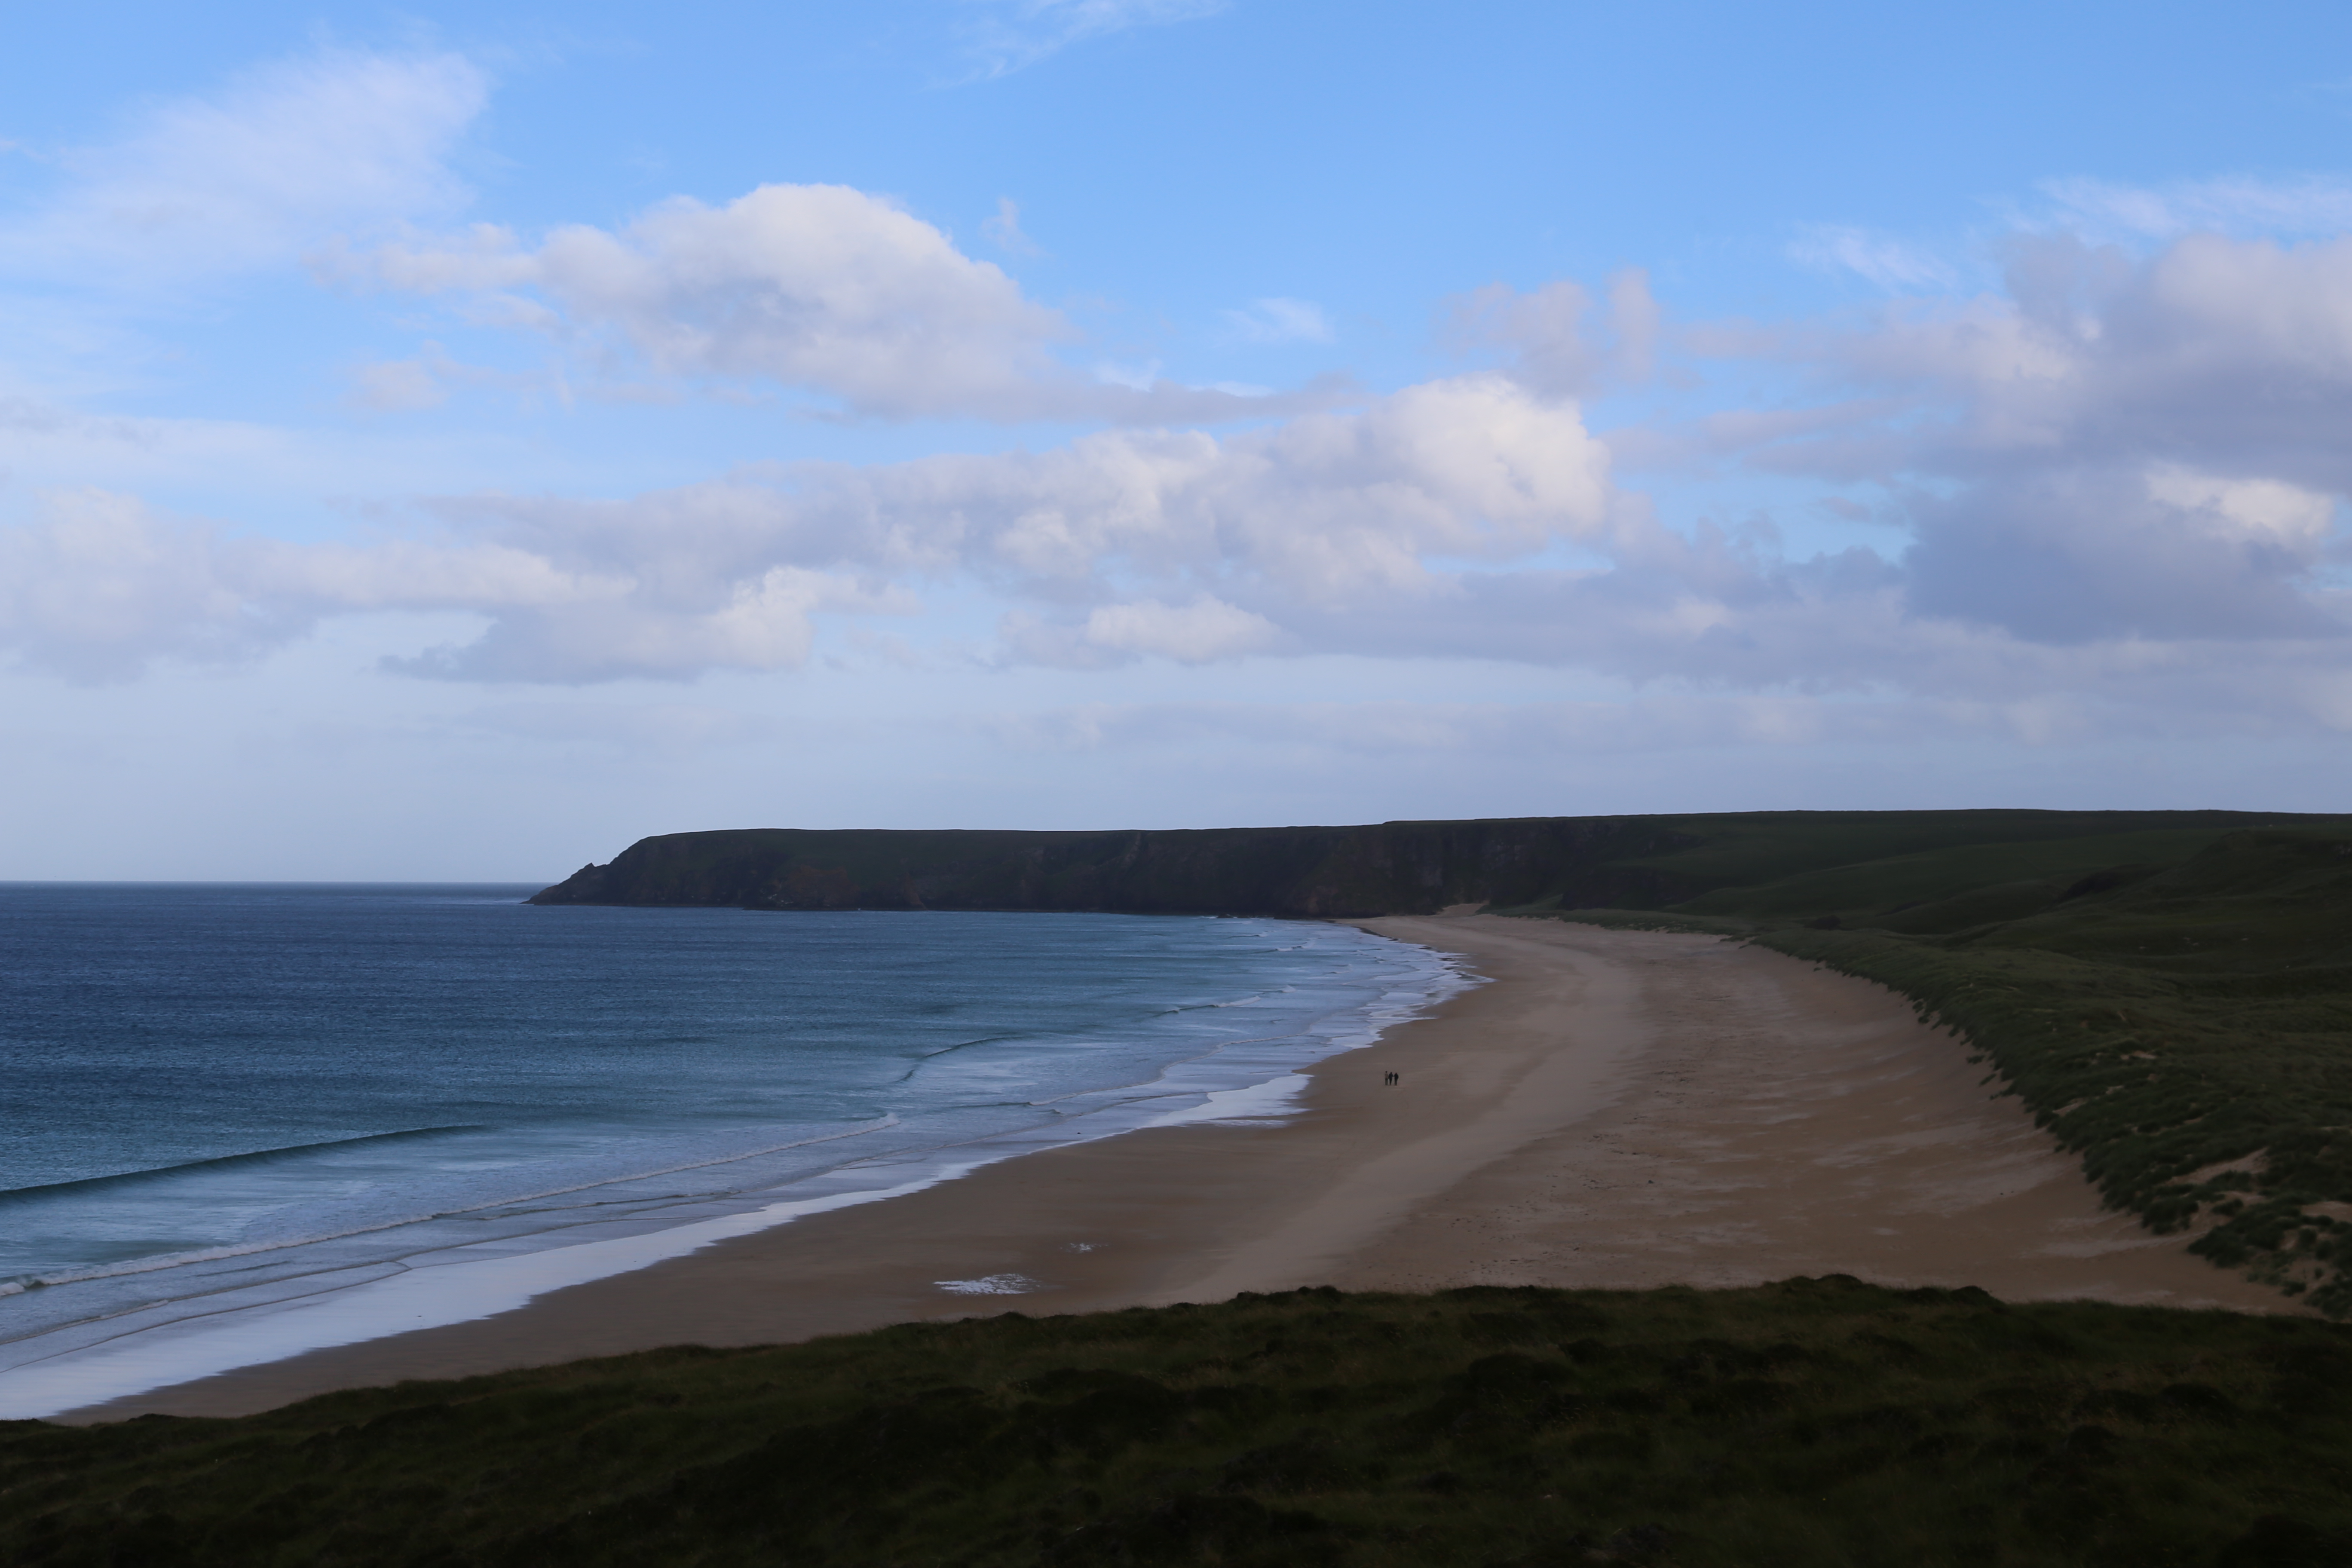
1618	1109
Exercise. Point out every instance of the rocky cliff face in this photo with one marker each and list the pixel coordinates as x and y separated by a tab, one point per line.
1395	867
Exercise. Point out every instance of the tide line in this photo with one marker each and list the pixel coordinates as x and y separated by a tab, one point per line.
424	1296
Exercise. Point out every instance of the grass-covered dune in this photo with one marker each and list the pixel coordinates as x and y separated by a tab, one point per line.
2175	1005
1820	1422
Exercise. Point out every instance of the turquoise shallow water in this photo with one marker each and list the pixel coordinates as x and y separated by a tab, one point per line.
254	1091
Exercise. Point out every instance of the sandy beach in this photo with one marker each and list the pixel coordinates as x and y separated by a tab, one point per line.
1616	1108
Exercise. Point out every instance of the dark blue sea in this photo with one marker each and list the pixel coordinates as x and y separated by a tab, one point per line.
220	1104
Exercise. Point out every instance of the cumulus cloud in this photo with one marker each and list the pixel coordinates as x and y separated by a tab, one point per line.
1122	545
2111	490
1203	632
97	586
287	155
817	285
1551	338
2118	447
1125	544
822	288
2225	354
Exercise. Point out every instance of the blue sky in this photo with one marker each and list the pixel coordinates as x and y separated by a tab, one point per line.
454	442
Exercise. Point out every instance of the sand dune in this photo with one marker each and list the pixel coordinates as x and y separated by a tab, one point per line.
1618	1109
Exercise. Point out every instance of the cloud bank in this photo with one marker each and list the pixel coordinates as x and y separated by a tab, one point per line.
819	288
2110	487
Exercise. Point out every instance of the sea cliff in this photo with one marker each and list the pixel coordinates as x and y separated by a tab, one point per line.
1391	867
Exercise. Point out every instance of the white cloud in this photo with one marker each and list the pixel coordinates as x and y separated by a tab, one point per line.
1205	631
2208	345
1551	338
2260	512
820	288
1007	36
1166	544
1882	260
2119	484
97	586
2313	205
397	386
250	177
1281	320
2120	450
1003	230
641	627
815	286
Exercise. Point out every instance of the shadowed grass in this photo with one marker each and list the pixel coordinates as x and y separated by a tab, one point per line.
1820	1421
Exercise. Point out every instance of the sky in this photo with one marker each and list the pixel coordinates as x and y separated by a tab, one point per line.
454	442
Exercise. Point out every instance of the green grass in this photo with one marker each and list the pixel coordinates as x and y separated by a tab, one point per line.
1814	1423
2176	1006
1751	851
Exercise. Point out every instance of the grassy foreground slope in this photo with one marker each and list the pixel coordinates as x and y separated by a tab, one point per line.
1822	1423
2175	1005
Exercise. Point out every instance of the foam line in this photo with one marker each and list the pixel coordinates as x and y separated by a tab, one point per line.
432	1294
278	1244
424	1297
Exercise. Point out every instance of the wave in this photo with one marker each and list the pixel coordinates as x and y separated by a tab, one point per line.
148	1265
86	1185
1253	1078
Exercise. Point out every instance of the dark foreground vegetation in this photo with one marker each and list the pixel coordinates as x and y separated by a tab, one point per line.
2175	1005
1814	1423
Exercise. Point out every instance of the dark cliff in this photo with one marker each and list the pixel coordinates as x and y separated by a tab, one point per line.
1392	868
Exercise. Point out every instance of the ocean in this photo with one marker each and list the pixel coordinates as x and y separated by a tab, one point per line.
240	1120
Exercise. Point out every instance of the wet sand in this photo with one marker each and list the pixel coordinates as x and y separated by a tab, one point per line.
1618	1109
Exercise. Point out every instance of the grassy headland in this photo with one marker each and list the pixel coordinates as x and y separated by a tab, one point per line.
1821	1421
1390	868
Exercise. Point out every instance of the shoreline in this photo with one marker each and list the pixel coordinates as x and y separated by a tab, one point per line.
1229	1053
1615	1108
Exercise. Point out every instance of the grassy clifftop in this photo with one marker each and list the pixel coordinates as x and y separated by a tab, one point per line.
1817	1422
1395	868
